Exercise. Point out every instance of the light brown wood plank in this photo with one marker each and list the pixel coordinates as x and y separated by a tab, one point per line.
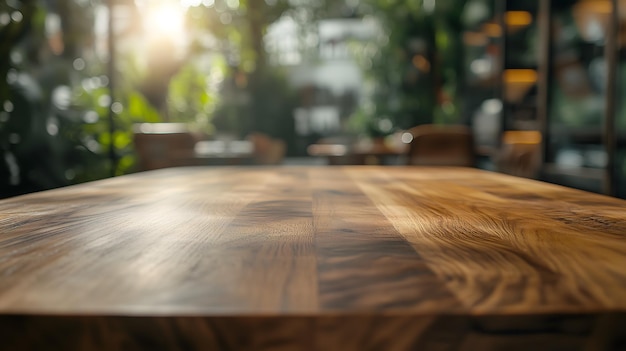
121	250
498	254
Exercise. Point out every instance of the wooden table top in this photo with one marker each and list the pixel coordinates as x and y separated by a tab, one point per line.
304	257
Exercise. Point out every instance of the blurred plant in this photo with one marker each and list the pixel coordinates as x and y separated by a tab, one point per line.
254	94
55	98
191	99
28	145
92	135
413	68
84	123
451	68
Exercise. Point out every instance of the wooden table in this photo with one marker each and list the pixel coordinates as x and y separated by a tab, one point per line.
340	258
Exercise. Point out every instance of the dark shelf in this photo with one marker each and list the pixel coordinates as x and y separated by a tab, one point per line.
583	135
552	169
584	178
520	66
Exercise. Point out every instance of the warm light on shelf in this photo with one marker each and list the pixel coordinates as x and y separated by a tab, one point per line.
517	82
520	76
592	17
518	18
475	39
492	29
594	6
528	137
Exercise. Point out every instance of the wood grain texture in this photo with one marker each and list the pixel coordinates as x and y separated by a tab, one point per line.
346	258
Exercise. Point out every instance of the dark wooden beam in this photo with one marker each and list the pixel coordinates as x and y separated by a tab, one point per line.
544	71
609	135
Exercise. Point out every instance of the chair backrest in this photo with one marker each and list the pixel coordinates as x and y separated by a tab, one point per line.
267	150
161	146
442	145
520	154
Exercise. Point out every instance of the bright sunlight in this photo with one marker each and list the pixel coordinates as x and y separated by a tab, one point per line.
165	20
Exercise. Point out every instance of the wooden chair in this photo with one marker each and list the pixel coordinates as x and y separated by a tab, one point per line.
441	145
163	145
267	150
520	154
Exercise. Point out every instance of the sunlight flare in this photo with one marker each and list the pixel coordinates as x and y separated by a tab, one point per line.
165	21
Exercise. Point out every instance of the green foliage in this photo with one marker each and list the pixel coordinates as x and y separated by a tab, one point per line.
254	96
94	134
414	67
46	144
190	99
28	147
54	127
401	92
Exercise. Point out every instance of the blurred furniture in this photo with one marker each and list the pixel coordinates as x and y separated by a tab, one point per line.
583	130
520	153
368	152
163	145
441	145
267	150
336	154
313	258
561	71
337	151
223	152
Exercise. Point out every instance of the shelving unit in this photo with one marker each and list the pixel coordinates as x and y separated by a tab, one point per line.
503	76
580	144
520	63
562	73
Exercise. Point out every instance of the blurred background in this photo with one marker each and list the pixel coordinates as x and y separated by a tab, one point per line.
91	89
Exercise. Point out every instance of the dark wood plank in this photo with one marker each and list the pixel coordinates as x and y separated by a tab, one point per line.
363	262
324	332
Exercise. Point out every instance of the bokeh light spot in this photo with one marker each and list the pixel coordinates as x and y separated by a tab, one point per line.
226	18
17	16
8	106
233	4
117	107
62	97
407	137
5	18
91	117
104	100
14	138
70	174
79	64
52	127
